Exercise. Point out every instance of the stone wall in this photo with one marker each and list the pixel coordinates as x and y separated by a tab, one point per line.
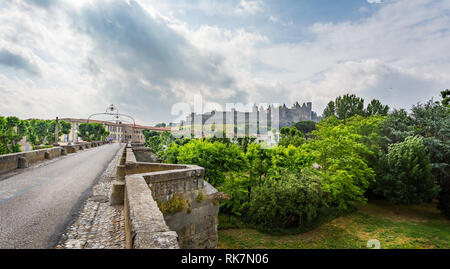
144	154
10	162
144	224
195	223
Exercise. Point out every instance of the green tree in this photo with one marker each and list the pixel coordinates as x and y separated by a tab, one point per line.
217	158
291	136
92	131
432	121
259	162
345	107
306	127
445	97
397	126
12	130
65	127
340	151
376	108
330	110
408	179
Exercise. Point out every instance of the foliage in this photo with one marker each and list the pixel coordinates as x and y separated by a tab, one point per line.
65	127
236	186
43	131
147	134
350	105
291	200
445	97
408	178
432	121
376	108
291	136
339	151
330	110
160	125
12	130
244	142
306	127
289	158
259	161
345	107
159	142
92	131
395	128
217	158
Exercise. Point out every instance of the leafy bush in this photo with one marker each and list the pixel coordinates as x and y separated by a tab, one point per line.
236	186
293	200
408	178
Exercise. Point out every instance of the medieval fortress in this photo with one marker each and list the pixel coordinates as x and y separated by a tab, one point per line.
274	117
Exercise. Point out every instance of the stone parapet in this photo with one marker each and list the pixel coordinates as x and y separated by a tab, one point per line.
10	162
145	227
195	223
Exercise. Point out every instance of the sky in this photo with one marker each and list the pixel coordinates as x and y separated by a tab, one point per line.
74	58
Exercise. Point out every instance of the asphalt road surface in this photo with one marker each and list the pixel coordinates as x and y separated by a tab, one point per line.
38	204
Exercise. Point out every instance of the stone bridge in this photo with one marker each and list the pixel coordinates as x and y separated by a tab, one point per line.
165	205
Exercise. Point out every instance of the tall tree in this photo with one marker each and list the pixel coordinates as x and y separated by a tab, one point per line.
345	107
330	110
376	108
92	131
445	97
348	106
408	179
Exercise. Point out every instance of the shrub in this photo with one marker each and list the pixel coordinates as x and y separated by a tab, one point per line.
293	200
408	178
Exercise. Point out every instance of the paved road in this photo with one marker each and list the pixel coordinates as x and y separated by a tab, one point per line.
37	205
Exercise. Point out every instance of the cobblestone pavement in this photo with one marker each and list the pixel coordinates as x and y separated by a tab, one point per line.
99	225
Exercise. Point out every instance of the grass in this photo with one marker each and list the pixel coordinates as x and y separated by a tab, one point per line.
396	227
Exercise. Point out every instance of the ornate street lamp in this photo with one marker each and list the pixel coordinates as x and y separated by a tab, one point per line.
113	111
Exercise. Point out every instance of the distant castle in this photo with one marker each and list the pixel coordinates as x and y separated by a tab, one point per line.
272	117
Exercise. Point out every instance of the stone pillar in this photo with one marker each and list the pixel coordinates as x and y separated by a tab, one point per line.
56	132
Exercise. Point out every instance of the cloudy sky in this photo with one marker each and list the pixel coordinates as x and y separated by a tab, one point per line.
74	58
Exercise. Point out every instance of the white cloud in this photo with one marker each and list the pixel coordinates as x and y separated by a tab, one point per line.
249	7
273	18
408	54
144	60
